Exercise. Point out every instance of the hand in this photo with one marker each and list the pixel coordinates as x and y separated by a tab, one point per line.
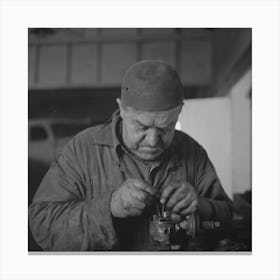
132	198
180	199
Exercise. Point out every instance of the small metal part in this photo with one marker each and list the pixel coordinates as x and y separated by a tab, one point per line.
160	228
166	235
154	218
208	225
191	225
158	208
162	209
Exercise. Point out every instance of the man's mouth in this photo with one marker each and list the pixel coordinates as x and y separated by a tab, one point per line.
149	150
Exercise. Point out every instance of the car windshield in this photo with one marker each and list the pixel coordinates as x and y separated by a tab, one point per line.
61	130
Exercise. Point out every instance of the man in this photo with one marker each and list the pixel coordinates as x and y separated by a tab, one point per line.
101	190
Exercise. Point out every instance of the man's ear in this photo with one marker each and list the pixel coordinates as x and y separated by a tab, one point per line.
120	107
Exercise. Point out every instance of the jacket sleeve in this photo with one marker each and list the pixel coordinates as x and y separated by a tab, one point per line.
64	216
209	187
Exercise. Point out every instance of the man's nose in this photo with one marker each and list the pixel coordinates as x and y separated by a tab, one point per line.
153	137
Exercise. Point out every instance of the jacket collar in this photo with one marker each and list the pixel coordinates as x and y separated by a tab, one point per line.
106	134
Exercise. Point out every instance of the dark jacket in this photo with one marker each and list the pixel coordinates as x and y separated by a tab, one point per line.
71	209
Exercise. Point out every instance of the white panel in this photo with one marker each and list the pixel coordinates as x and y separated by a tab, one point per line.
116	58
196	63
31	66
208	121
52	66
84	65
160	50
242	137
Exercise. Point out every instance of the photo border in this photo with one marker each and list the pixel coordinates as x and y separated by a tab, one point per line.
17	16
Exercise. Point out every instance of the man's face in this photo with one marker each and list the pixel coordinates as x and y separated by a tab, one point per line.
148	134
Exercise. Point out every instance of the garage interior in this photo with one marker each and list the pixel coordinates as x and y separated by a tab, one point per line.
75	74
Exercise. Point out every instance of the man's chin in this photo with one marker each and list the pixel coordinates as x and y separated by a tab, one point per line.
149	156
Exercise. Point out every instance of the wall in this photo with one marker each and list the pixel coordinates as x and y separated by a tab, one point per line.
97	58
240	96
229	44
208	121
223	126
85	57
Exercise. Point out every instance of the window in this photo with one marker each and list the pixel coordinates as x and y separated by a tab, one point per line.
61	130
38	133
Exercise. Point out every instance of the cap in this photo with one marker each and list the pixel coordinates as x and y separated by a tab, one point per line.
151	85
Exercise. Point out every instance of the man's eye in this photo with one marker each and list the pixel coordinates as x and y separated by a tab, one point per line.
168	129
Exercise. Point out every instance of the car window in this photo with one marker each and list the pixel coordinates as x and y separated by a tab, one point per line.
61	130
38	133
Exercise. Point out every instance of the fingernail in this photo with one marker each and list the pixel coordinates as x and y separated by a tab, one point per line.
173	216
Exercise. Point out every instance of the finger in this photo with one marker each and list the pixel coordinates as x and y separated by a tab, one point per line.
148	195
167	192
143	197
139	194
134	212
138	204
150	201
128	198
178	195
192	208
134	191
133	203
145	187
175	218
182	204
185	225
142	194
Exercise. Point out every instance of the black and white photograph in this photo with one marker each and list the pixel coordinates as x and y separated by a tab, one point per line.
139	139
